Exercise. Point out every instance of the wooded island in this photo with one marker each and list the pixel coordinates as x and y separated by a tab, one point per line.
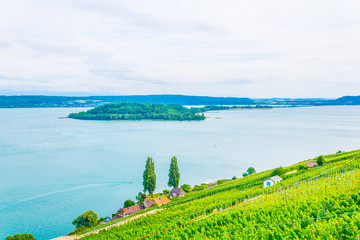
151	111
139	111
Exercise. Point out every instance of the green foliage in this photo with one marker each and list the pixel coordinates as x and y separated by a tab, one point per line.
278	171
251	170
174	174
79	230
87	219
128	203
186	187
138	111
221	181
23	236
166	192
149	176
141	197
320	160
301	167
233	178
199	188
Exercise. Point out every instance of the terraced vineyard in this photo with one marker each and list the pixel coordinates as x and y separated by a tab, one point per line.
318	203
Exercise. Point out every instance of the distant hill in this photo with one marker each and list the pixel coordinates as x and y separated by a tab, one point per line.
94	101
348	100
38	101
176	99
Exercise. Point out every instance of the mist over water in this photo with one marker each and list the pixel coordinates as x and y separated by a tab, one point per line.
54	169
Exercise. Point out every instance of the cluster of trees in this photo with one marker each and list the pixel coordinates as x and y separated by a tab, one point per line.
90	219
139	111
149	176
278	171
249	171
85	221
24	236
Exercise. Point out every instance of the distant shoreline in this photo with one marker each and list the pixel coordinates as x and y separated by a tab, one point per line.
38	101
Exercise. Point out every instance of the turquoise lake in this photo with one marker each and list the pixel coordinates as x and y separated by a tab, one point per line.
53	169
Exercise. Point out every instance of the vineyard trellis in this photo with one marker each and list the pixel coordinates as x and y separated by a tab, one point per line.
244	206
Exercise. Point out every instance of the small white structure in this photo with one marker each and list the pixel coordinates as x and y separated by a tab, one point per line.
271	181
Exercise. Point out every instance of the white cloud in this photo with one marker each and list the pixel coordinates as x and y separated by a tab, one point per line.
205	47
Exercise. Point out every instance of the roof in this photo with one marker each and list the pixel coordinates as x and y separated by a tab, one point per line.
164	200
274	178
149	203
311	164
116	216
129	210
158	201
177	192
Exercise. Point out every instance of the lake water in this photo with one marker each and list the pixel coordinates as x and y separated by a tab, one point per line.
54	169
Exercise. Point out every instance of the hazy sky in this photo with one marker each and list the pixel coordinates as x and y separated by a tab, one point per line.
257	48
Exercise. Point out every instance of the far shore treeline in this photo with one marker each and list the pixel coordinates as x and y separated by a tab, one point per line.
39	101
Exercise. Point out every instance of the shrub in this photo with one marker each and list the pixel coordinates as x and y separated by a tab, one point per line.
186	187
128	203
320	160
78	230
87	219
278	171
141	197
199	188
221	181
301	167
23	236
233	178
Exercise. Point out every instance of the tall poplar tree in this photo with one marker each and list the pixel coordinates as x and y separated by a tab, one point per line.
149	177
174	174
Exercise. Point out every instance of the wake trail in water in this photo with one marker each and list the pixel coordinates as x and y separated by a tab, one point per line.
66	190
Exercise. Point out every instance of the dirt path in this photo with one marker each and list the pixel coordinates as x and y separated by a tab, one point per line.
107	227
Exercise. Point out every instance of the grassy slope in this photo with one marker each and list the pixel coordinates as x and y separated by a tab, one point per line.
224	211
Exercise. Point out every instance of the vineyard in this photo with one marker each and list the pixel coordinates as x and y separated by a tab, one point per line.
317	203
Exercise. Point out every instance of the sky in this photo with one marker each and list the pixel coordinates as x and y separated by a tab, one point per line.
234	48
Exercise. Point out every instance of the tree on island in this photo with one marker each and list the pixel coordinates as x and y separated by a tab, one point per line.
128	203
174	174
87	219
149	176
